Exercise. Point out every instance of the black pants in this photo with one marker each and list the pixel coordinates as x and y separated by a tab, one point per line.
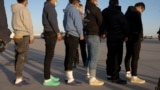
76	58
71	44
50	42
133	51
21	51
114	58
83	51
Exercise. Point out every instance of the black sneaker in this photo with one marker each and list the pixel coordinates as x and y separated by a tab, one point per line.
23	82
119	81
73	83
109	77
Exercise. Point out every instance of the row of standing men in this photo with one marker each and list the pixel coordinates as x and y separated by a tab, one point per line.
110	23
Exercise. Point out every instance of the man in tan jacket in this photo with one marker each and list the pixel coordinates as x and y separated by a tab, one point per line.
23	29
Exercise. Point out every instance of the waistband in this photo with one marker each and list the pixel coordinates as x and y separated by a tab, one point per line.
20	36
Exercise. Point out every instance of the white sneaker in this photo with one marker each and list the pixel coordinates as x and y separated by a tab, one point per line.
128	74
96	82
137	80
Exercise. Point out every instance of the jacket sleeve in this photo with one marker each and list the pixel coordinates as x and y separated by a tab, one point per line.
98	16
52	18
124	24
140	25
27	21
77	22
103	28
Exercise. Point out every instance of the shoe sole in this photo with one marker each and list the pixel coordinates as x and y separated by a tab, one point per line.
138	83
93	84
96	84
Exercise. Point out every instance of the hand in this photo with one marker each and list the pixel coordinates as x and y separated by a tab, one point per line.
81	37
103	36
31	41
59	36
126	39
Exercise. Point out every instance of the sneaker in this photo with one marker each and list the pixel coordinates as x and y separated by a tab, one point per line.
137	80
96	83
23	82
54	78
109	77
128	74
51	83
73	83
119	81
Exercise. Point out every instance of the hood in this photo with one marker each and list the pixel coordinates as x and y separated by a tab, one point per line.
68	7
16	7
132	9
115	8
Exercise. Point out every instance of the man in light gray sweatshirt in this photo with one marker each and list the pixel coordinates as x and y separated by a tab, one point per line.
23	29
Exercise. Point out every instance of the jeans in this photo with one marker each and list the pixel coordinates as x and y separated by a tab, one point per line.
21	51
71	44
50	43
132	51
93	45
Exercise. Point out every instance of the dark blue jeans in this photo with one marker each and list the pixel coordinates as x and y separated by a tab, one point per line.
50	43
21	50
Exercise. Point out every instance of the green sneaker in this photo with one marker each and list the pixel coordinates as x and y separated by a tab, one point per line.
54	78
51	83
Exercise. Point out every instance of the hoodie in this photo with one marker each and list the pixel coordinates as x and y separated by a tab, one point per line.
135	22
114	23
21	20
93	19
72	21
49	18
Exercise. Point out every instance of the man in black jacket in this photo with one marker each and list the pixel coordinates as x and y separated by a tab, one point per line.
116	28
133	45
4	31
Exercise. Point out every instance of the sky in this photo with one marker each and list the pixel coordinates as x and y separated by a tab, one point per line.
150	17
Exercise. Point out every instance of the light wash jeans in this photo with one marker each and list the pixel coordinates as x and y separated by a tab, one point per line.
93	45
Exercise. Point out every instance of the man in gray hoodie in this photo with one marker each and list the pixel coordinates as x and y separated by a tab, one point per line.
73	27
23	29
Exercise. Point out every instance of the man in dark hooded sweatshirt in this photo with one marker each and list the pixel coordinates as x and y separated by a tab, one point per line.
51	35
116	28
133	45
4	31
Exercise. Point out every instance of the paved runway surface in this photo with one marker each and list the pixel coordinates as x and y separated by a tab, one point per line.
149	68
